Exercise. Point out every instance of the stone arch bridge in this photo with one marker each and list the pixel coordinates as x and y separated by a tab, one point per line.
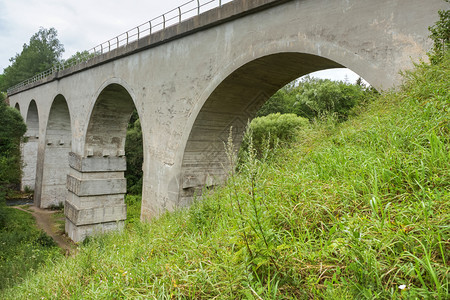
189	83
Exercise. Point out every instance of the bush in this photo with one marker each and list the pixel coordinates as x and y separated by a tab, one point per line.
440	34
266	132
311	98
318	97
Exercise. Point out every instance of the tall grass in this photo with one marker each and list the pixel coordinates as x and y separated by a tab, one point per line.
23	248
350	211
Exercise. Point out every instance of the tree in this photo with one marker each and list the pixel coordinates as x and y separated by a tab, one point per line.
12	129
440	34
43	51
135	155
78	57
323	96
313	97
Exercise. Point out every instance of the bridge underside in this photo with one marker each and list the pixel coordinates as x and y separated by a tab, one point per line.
232	105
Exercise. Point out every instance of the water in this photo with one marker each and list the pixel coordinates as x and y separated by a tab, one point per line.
14	202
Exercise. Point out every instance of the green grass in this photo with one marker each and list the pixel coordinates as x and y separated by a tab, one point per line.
23	248
350	211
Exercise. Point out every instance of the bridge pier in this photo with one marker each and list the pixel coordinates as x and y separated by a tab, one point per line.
95	202
29	149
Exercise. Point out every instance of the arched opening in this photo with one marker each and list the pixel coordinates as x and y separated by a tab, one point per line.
17	106
58	143
96	183
30	148
107	128
233	103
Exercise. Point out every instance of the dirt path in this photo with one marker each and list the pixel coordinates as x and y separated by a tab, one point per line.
47	222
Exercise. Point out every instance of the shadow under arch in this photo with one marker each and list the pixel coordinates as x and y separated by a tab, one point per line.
233	103
30	148
58	144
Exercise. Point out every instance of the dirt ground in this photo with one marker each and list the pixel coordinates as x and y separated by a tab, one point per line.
52	223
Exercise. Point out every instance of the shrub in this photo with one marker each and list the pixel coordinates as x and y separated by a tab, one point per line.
440	34
268	131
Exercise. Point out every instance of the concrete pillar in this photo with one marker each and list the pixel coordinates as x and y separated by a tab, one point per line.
29	150
96	190
54	189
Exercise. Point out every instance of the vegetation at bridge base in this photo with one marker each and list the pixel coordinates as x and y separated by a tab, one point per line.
23	248
12	129
351	210
314	98
440	34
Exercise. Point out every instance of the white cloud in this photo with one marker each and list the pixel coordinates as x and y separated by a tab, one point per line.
81	24
340	74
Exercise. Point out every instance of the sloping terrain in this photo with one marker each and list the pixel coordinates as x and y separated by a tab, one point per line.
349	211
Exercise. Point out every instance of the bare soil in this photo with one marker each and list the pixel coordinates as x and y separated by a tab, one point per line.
51	221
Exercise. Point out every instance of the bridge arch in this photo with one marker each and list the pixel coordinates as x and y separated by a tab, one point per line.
58	143
110	113
30	147
96	181
233	102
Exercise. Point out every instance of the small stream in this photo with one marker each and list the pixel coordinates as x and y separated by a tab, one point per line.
13	202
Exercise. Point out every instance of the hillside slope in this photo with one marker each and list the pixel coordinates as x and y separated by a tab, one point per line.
357	210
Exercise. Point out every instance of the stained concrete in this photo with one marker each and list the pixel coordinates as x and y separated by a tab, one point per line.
29	148
191	82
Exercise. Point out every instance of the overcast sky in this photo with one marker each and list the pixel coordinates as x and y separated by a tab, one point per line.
83	24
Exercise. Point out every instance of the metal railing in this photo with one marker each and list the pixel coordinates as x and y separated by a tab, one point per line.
172	17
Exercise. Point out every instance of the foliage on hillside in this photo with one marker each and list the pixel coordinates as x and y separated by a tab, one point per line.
352	210
12	128
312	98
23	248
271	131
440	34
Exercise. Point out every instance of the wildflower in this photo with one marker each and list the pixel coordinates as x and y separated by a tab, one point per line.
402	287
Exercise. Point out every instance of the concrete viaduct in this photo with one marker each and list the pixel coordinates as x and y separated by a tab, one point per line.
189	83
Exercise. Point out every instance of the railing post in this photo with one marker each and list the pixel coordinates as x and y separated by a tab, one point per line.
179	14
127	38
138	32
164	21
150	30
109	44
198	7
117	38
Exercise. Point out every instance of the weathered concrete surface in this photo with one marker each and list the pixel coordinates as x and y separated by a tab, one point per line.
191	82
29	148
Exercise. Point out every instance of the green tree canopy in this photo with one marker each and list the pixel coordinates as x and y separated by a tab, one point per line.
312	97
43	51
12	128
